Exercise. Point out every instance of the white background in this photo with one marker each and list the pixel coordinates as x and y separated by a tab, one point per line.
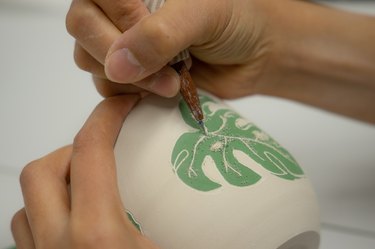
44	100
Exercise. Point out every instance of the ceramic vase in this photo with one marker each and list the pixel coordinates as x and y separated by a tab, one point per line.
234	188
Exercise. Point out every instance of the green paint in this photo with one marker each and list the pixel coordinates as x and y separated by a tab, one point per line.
227	132
134	221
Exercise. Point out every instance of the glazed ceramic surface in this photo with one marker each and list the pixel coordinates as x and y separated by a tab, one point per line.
234	188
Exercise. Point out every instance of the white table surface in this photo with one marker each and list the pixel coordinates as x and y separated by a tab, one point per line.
44	100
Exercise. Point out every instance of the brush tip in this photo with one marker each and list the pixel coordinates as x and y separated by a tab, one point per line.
201	123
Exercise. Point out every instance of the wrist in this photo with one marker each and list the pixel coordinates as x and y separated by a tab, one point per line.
322	56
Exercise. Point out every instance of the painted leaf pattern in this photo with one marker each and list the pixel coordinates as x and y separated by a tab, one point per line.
227	132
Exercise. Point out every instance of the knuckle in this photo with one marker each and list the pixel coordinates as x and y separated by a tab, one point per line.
127	13
86	62
71	21
104	87
29	173
81	59
18	218
78	20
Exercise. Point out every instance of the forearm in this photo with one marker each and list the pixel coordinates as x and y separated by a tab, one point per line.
325	57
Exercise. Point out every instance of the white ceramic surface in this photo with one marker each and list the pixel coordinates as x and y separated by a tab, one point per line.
342	173
235	188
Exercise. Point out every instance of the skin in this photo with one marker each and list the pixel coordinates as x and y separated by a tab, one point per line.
289	49
71	195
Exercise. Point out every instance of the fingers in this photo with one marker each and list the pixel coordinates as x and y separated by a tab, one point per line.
91	25
93	173
46	198
157	83
165	82
91	28
86	62
96	24
151	43
123	13
108	88
21	231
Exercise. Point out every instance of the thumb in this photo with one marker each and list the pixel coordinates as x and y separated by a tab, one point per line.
151	43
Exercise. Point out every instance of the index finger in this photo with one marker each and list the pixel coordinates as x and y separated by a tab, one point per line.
123	13
93	171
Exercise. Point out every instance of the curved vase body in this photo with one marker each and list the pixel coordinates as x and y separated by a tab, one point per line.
236	188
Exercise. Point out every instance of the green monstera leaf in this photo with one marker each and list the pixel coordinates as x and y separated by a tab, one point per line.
227	132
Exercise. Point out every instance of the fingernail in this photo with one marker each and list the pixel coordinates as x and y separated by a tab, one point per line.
122	66
165	85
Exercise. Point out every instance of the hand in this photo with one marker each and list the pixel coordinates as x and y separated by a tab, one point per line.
71	195
227	40
290	49
96	24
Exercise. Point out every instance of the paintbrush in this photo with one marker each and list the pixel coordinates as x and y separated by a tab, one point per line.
189	93
188	90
